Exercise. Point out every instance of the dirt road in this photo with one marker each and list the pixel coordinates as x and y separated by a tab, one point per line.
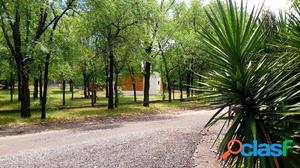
167	140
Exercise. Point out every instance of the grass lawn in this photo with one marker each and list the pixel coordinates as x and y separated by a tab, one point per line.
10	115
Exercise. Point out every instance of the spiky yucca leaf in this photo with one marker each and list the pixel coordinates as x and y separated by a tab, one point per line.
260	89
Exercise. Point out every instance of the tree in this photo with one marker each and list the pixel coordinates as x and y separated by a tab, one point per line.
153	14
54	24
17	20
111	21
134	68
123	53
166	61
191	46
63	72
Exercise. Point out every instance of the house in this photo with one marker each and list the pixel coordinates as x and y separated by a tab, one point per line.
156	85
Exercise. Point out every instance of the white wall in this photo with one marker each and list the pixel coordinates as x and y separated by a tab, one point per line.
155	82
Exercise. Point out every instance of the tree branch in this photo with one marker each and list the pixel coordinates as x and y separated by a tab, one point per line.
6	36
170	6
7	13
41	24
56	18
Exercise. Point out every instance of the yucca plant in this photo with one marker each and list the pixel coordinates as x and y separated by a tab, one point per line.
288	39
288	28
261	89
293	33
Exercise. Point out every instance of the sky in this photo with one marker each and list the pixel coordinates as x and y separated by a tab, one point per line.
274	5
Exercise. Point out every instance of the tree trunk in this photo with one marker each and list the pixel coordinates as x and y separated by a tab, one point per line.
106	83
12	87
25	100
169	88
95	96
192	76
173	88
19	87
111	77
134	92
41	86
64	92
22	64
72	89
116	90
94	86
36	88
180	86
44	99
70	85
106	88
93	89
147	83
133	82
188	83
192	83
85	81
163	92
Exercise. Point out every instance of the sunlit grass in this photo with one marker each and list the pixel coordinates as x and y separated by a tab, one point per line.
9	112
55	99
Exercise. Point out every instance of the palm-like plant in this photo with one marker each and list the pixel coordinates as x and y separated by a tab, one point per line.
262	90
289	30
294	28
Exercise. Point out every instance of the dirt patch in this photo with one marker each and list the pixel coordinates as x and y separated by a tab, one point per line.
205	155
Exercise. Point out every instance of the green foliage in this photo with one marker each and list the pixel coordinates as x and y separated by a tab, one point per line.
262	91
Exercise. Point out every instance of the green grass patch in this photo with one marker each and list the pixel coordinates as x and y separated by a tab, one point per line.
10	115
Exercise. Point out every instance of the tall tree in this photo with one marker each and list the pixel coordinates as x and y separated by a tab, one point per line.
111	19
57	17
22	29
153	15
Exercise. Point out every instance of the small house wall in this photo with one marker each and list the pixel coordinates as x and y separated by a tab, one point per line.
155	85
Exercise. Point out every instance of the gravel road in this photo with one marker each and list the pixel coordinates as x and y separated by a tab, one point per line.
166	141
